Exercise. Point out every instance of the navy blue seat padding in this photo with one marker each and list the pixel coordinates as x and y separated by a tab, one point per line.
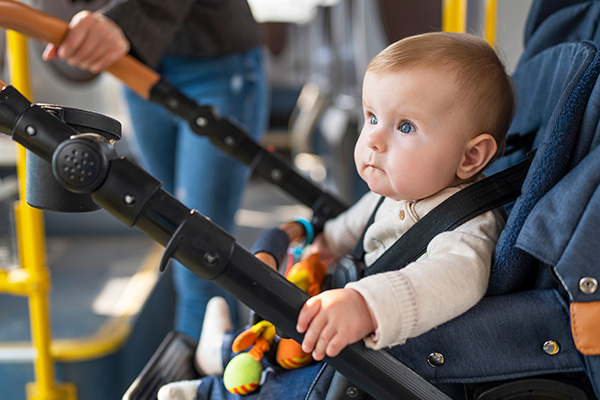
571	70
552	22
502	337
567	219
542	9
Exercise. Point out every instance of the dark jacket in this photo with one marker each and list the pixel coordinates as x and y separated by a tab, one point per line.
199	28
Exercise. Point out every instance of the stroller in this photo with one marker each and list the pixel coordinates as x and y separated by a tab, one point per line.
547	286
525	339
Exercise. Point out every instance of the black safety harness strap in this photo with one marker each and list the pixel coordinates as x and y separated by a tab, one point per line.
482	196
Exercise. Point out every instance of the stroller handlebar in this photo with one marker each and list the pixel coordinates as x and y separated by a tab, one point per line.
48	29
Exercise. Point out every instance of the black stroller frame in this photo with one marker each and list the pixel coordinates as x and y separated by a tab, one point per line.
136	198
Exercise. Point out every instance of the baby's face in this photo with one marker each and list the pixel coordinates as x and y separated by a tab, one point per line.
414	135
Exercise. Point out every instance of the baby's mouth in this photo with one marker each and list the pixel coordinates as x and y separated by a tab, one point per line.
371	165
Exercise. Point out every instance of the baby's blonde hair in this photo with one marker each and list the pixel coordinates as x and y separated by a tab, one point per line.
482	82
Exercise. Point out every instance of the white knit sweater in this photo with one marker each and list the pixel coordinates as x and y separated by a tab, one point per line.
450	278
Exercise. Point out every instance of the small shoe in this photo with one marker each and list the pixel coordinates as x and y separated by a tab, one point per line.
217	322
182	390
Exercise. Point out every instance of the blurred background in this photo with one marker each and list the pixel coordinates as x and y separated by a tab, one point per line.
109	307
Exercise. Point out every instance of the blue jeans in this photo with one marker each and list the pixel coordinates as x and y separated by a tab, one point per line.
189	166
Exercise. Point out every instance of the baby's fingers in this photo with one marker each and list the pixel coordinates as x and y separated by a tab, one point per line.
321	349
307	313
310	340
336	345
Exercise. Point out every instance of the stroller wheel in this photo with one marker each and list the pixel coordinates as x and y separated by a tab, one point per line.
530	389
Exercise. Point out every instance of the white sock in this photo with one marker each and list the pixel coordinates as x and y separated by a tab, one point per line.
182	390
209	353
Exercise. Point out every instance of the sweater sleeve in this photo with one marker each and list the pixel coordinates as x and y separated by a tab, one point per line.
344	231
149	25
445	282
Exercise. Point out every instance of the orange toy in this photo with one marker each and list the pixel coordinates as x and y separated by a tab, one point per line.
243	373
308	275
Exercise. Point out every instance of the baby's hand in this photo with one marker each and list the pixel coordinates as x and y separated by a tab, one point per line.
332	320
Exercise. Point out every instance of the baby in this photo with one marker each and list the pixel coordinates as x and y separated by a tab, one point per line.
436	108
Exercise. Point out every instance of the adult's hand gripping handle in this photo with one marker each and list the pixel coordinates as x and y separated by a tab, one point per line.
46	28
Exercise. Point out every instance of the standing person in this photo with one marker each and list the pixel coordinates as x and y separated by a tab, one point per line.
211	51
436	110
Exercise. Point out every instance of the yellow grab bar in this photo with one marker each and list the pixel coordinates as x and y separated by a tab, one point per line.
490	22
454	15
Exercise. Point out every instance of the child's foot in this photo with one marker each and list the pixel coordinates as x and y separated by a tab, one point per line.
182	390
209	353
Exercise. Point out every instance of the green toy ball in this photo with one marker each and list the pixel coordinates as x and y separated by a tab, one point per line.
242	374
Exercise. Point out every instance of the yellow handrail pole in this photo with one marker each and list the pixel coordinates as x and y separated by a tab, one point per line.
454	15
29	226
30	237
490	21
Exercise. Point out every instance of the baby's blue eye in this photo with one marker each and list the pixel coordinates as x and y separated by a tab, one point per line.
407	127
373	120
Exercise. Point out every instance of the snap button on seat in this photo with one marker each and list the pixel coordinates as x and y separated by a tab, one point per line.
551	347
435	359
588	285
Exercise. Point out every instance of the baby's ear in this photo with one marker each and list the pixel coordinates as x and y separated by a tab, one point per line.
478	153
